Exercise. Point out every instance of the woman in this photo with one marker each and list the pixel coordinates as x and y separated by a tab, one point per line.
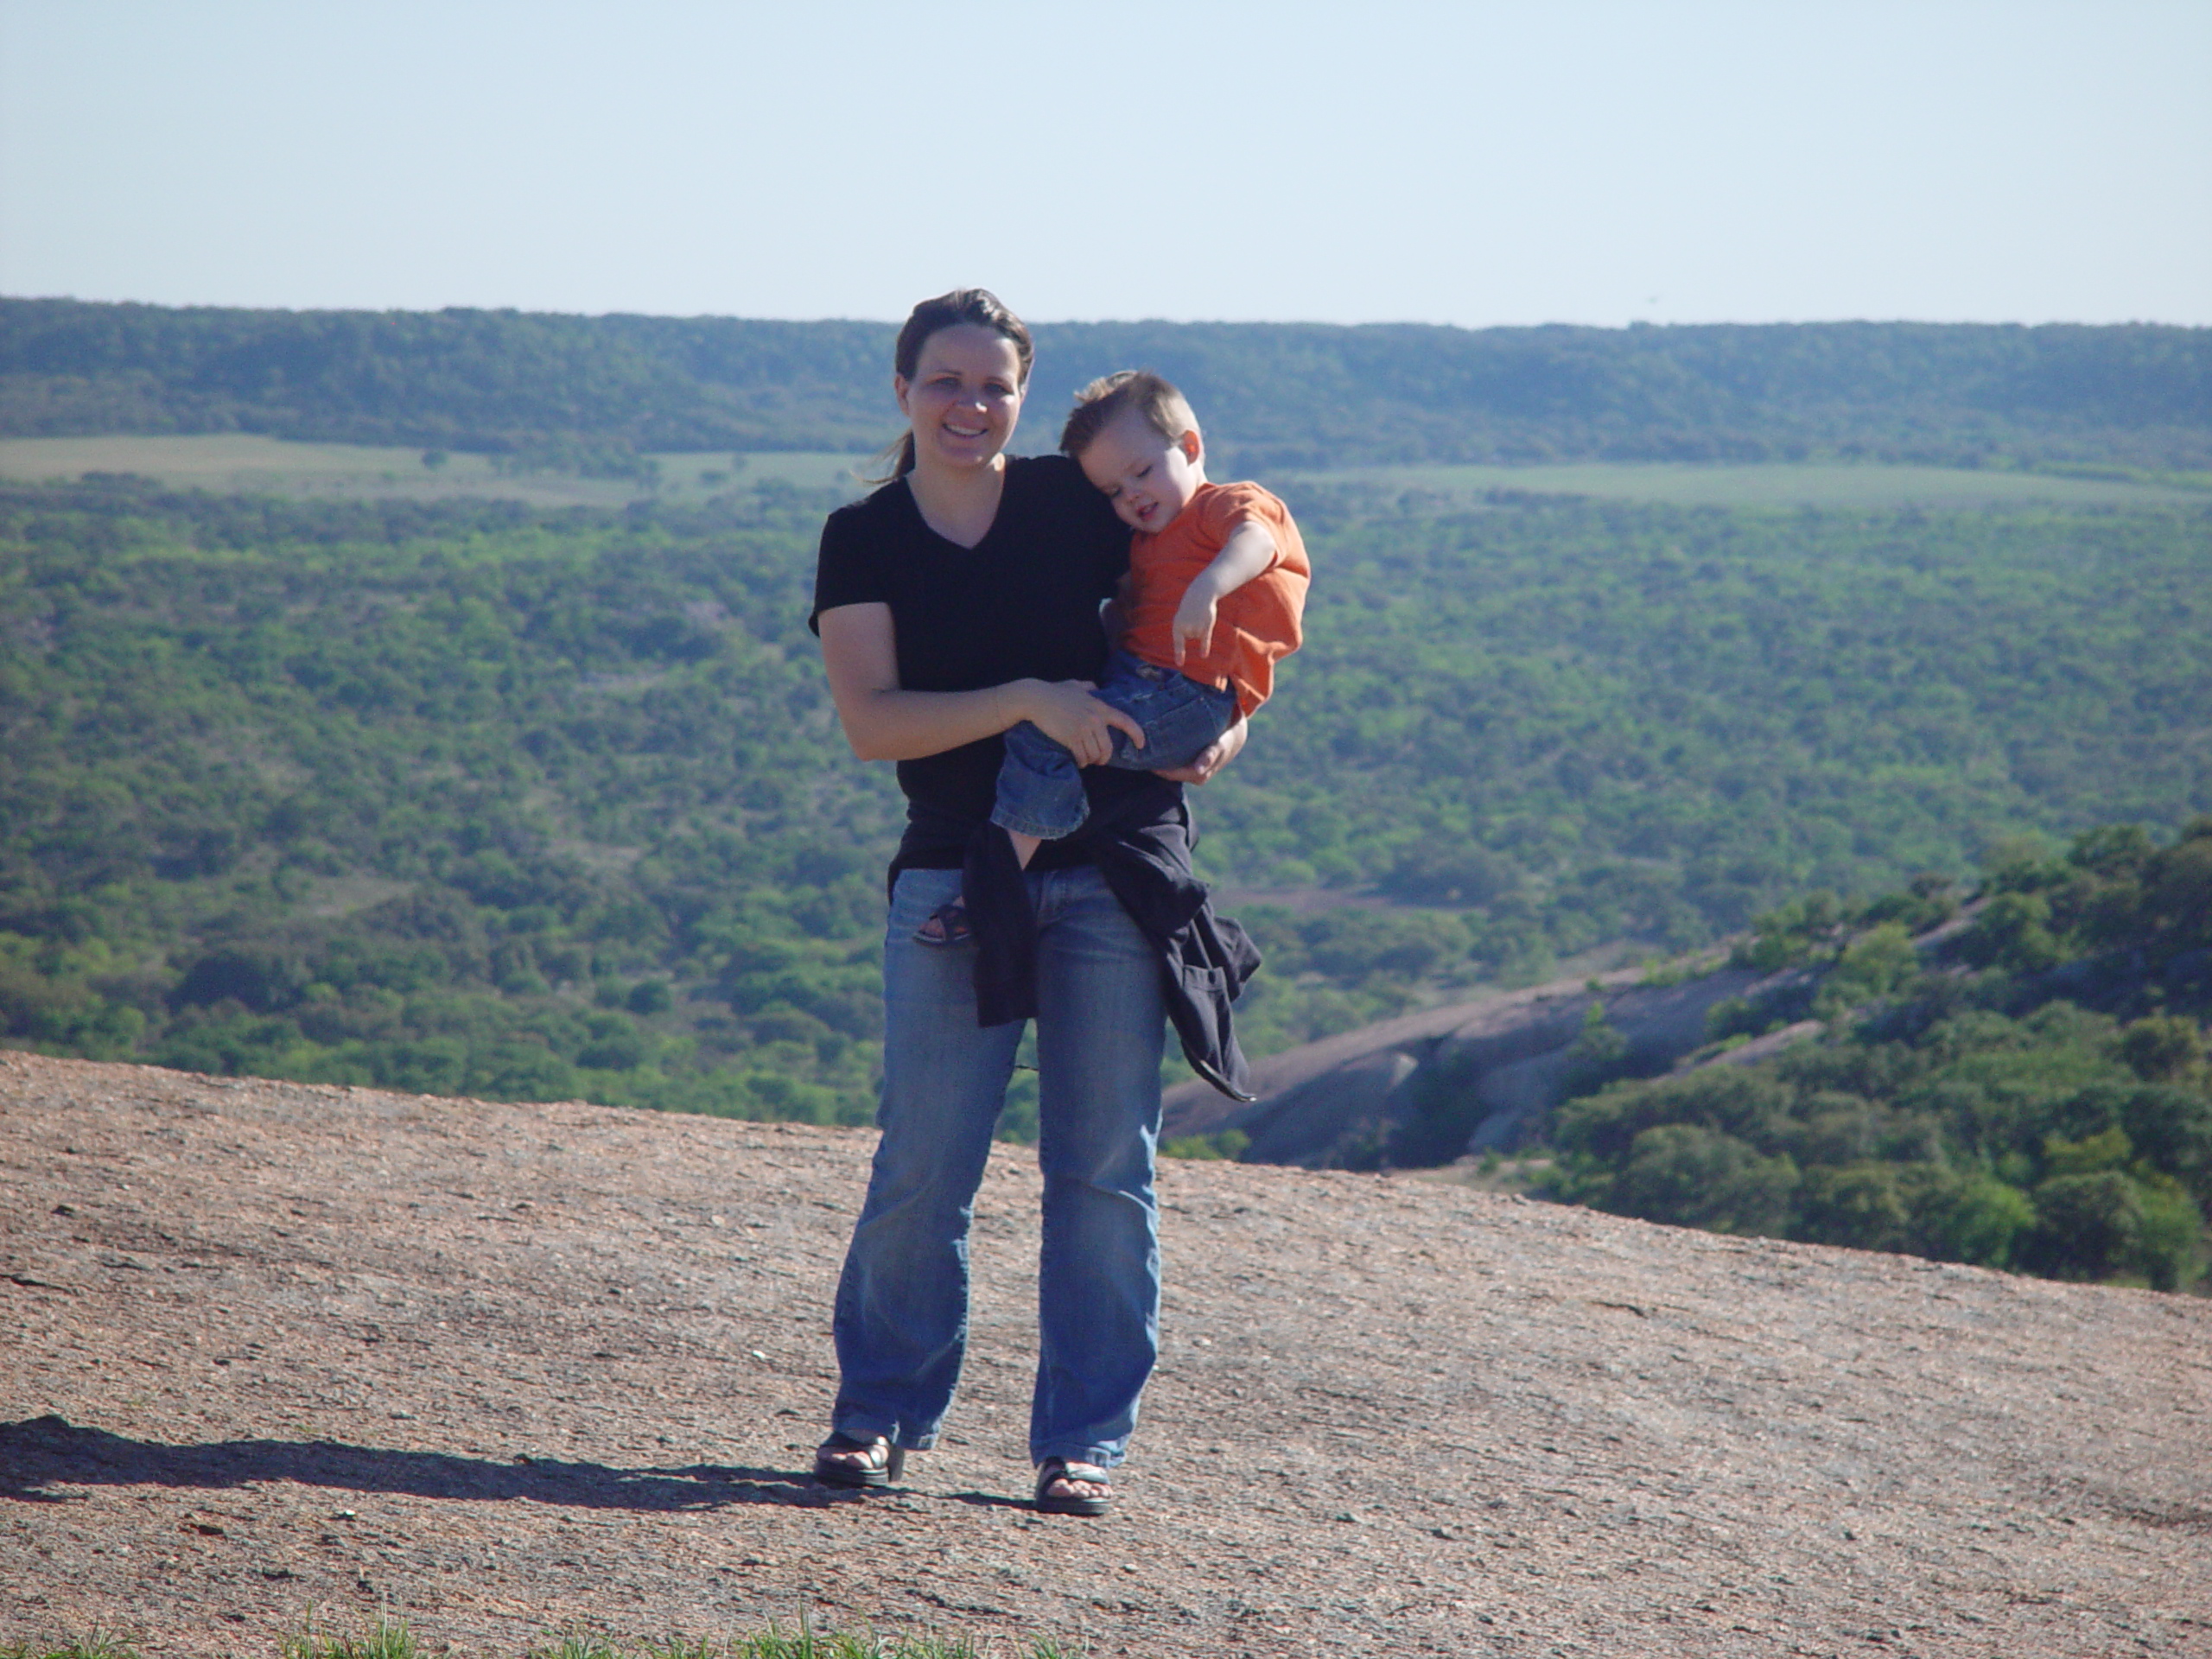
958	600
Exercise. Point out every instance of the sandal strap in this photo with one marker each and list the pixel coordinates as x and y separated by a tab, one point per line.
1068	1468
1075	1473
846	1459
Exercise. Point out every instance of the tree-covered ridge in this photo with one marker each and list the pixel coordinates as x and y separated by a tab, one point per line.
585	392
473	799
561	390
2025	1089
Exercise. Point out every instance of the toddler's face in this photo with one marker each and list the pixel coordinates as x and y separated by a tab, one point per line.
1149	478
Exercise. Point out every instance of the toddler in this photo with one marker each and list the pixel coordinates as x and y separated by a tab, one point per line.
1214	595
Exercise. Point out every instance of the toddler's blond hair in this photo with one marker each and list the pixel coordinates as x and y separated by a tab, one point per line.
1166	411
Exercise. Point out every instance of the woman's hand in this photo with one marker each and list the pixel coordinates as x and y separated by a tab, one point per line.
1065	711
883	722
1224	750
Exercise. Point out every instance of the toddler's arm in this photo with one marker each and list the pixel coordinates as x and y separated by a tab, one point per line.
1248	551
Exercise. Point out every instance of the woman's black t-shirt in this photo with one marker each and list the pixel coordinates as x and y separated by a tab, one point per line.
1023	602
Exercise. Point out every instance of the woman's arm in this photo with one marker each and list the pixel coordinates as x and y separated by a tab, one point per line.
884	723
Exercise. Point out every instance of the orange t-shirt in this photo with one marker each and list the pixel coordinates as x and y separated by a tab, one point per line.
1255	625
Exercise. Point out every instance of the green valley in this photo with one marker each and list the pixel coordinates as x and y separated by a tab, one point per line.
471	797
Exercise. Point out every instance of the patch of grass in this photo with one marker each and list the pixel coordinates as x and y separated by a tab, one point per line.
98	1645
388	1638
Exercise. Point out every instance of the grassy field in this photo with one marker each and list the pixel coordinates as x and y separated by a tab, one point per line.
1778	485
243	461
246	462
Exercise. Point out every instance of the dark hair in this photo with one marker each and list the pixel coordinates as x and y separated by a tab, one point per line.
978	306
1165	410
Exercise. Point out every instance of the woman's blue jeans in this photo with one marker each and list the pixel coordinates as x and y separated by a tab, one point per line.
901	1318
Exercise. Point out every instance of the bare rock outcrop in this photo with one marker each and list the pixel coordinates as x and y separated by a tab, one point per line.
502	1371
1330	1102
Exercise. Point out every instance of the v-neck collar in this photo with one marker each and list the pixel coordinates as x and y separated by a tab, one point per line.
998	517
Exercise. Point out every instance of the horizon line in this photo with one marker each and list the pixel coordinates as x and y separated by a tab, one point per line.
1632	325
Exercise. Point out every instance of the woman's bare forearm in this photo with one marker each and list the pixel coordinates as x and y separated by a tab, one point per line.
897	725
885	722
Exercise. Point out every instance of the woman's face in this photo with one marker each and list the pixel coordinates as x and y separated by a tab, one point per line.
964	398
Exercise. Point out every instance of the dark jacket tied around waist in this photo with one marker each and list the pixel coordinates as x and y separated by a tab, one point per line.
1142	845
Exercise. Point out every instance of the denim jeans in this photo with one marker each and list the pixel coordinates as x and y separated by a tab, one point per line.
1040	791
901	1317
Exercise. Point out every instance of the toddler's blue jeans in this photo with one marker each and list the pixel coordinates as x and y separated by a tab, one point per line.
1040	789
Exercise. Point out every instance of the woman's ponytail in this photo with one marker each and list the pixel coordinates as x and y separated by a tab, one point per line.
891	462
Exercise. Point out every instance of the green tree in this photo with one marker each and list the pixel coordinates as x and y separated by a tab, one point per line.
1696	1177
1978	1219
2013	932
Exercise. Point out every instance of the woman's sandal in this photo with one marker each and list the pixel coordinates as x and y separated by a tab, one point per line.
1053	1471
947	926
842	1460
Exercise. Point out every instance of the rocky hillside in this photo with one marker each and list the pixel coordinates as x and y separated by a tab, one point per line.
499	1369
1348	1100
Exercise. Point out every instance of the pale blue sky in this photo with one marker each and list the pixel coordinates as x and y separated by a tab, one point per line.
1567	161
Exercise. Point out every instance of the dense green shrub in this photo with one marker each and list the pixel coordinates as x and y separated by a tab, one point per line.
1985	1116
1697	1176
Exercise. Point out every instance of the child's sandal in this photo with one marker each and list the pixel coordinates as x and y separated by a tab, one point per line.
946	926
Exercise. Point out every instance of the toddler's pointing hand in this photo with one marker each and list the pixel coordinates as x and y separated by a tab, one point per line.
1193	625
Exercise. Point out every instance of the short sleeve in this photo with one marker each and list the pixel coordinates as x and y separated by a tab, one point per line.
1222	510
849	570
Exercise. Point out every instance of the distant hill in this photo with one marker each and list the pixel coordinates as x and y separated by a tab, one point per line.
2022	1081
583	393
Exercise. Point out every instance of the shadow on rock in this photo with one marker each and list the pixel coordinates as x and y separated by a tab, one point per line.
48	1452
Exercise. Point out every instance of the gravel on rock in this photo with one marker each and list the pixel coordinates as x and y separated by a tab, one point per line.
504	1371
